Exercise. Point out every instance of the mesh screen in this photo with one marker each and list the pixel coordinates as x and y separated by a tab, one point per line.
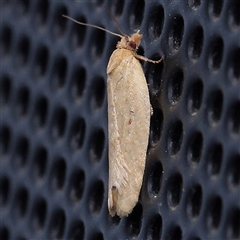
54	147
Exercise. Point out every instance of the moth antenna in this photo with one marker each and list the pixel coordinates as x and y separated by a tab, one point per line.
91	25
114	19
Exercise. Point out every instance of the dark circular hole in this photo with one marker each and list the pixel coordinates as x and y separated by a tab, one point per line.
98	92
59	123
77	33
6	40
76	185
234	63
41	62
77	230
233	230
174	190
5	90
78	81
22	102
233	171
98	43
155	179
57	224
195	44
40	112
97	143
59	22
23	50
134	221
58	174
39	214
21	203
59	73
214	108
97	236
156	126
214	212
4	191
96	197
156	22
214	159
41	12
195	93
4	141
215	53
195	145
175	135
21	153
234	16
154	228
194	4
4	233
176	32
175	86
233	118
137	12
174	233
215	8
194	202
117	7
77	134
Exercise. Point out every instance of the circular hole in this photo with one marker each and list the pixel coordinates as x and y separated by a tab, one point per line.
96	197
214	108
5	90
98	93
4	191
57	224
194	202
174	233
97	236
78	81
234	63
215	8
22	102
77	33
214	212
233	172
4	233
233	118
40	112
4	141
137	12
21	153
6	40
155	179
117	7
175	86
77	134
214	159
215	53
154	228
58	174
59	73
194	151
98	3
59	22
134	221
233	230
174	190
98	39
21	203
97	143
234	16
175	135
77	230
59	123
194	4
76	187
41	12
23	50
195	44
154	75
156	22
156	126
39	215
22	7
41	62
176	32
40	163
195	93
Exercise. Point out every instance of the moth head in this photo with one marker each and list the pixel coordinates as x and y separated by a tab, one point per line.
131	43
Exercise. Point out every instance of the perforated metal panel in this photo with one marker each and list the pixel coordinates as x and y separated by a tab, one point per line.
54	147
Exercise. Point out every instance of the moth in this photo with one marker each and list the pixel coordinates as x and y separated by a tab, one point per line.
129	112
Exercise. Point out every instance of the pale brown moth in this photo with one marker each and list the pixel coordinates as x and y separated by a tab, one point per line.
129	111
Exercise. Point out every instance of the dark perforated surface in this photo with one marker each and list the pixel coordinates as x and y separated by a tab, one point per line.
54	163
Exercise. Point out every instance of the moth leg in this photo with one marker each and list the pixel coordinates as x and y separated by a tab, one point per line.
147	59
113	203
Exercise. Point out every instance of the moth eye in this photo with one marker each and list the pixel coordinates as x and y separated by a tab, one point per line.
132	45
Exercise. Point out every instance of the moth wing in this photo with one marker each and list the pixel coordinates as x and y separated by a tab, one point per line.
128	122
